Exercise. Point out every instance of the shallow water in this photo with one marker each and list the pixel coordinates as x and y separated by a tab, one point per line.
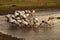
43	34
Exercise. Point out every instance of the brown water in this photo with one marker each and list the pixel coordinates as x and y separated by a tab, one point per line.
43	34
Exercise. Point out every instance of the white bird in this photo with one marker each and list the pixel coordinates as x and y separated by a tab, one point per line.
33	11
24	22
13	16
27	11
18	18
27	15
21	12
11	20
8	15
19	21
24	16
16	13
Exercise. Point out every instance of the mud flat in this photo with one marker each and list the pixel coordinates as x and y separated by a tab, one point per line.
43	34
8	37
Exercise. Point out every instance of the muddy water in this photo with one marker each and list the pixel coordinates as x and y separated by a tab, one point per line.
43	34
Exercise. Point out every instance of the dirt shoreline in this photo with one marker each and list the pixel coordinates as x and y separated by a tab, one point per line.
8	37
11	10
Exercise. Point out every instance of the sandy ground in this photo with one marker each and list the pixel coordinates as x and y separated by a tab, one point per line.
43	34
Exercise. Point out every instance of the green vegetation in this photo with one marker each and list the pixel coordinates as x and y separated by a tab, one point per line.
30	3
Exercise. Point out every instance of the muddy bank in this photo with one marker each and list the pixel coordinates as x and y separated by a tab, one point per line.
11	10
8	37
